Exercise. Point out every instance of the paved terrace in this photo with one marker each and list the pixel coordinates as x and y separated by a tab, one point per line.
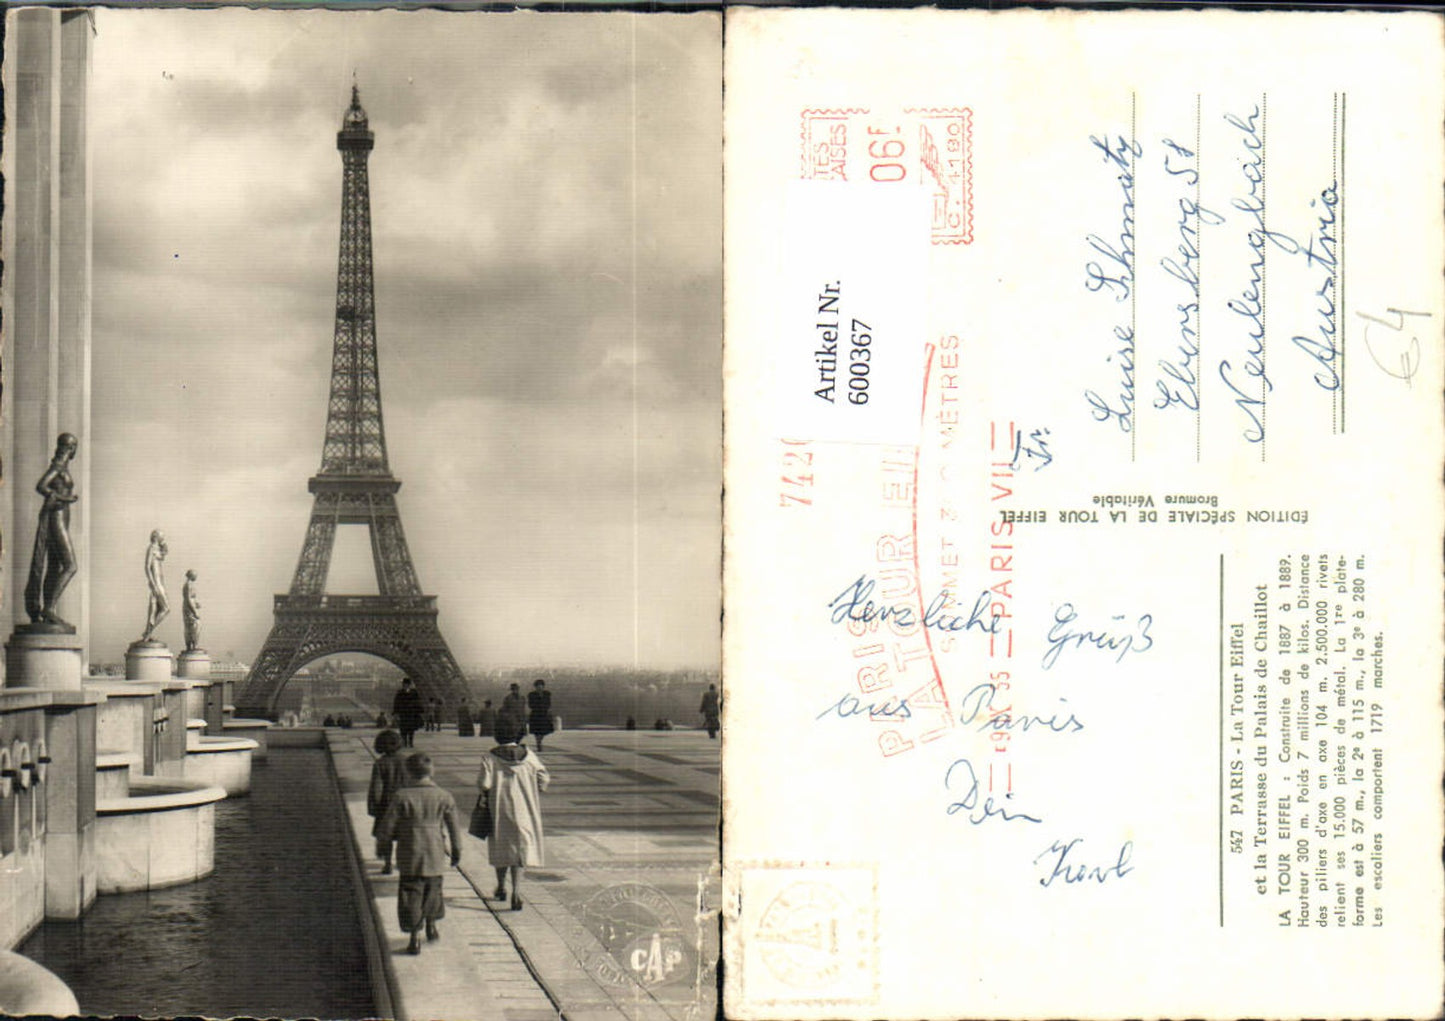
622	920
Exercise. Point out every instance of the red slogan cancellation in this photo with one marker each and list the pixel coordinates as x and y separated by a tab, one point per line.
930	147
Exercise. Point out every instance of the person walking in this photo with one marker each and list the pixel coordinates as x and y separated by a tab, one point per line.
710	709
464	719
486	720
420	819
513	714
388	774
513	779
407	708
539	711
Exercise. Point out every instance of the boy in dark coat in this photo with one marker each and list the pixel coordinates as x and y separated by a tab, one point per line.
415	819
388	775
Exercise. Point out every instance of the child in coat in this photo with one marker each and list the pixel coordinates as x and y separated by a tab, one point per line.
388	773
419	819
513	779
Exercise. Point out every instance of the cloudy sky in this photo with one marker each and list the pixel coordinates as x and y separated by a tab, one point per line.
545	194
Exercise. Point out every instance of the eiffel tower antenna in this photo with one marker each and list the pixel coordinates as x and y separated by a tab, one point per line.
354	486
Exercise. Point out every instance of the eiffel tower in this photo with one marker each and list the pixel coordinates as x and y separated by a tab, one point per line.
354	486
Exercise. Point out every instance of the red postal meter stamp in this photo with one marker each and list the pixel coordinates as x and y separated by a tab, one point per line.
930	147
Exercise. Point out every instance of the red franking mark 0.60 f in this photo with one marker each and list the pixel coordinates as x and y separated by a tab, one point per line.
928	147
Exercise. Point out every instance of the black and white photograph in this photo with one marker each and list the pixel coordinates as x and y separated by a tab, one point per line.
362	458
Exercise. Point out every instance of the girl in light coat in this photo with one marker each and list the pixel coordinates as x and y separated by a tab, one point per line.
513	779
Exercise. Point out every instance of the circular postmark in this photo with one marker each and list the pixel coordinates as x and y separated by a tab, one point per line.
641	934
810	934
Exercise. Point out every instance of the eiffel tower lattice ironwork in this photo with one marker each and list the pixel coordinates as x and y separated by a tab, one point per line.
354	486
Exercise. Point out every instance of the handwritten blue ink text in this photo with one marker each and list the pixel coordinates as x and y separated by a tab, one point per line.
980	702
1063	634
853	604
849	705
977	813
1062	869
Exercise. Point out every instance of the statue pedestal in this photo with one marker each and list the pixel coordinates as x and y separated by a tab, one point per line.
194	665
43	659
148	661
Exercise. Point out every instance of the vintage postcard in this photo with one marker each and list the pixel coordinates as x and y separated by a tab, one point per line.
1083	608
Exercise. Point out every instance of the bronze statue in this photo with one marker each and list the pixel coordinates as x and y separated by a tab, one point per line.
191	612
158	606
53	562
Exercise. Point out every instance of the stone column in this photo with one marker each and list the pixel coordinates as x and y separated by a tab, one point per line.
216	696
70	804
171	741
33	336
77	29
47	356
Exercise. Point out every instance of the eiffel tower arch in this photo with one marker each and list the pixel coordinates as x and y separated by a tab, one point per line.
354	486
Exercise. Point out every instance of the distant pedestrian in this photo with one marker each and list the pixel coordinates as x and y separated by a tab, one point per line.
330	721
407	708
382	722
539	715
486	720
464	719
513	779
388	774
631	723
420	819
513	714
710	710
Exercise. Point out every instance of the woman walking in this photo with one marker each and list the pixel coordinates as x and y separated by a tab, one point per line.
539	706
513	779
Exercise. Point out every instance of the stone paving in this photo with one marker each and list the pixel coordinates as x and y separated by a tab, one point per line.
621	922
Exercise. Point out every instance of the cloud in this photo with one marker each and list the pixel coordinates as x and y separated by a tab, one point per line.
566	514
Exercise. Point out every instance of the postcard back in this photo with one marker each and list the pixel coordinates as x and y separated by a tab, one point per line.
1083	616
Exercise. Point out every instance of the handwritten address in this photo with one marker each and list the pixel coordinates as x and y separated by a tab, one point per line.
1297	230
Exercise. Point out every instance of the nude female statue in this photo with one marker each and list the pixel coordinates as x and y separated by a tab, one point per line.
53	562
191	612
158	606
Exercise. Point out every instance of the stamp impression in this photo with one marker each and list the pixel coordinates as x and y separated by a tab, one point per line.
641	934
805	935
809	934
928	147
